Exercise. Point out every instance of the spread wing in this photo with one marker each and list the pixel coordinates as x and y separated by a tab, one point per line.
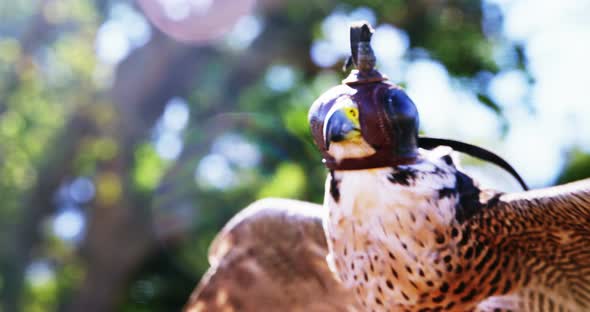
547	233
271	257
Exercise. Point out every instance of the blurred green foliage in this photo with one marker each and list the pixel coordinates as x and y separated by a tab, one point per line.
68	117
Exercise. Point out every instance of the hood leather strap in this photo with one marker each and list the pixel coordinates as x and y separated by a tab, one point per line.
472	150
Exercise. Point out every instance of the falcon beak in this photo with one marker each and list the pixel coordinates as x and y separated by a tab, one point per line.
339	128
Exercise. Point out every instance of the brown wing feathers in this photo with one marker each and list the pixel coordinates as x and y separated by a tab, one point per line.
546	233
271	257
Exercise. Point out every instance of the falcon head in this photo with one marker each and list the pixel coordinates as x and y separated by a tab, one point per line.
343	123
342	132
358	126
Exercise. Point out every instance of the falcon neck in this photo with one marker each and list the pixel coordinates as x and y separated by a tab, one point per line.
411	190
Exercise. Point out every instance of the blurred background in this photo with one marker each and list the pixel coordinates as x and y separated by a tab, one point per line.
131	131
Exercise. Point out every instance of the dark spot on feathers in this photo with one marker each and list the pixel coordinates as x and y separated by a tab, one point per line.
506	262
494	200
507	287
496	278
403	176
466	234
478	249
438	171
405	296
446	192
447	159
517	276
492	291
469	296
389	284
459	288
394	272
454	232
468	204
487	256
334	187
438	299
409	269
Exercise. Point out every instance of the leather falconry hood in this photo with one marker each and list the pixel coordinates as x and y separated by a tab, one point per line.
388	118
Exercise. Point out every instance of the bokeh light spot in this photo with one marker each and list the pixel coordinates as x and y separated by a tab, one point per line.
215	171
323	54
135	26
169	145
39	273
111	43
244	32
176	114
68	224
82	190
237	150
280	78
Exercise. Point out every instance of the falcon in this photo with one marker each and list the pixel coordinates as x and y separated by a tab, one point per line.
424	237
402	227
407	230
